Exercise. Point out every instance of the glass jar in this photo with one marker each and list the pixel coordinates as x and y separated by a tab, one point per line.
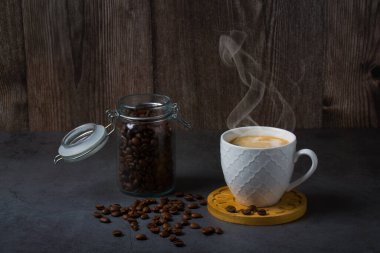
145	139
146	144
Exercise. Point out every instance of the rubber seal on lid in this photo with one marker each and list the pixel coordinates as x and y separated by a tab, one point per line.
82	142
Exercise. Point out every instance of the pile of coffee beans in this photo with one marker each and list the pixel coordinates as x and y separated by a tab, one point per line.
251	210
168	217
146	159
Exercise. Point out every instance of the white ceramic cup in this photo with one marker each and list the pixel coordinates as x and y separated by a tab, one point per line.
260	176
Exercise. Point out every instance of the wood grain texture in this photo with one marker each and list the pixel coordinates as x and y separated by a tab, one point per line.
82	56
188	66
63	63
186	59
351	93
13	86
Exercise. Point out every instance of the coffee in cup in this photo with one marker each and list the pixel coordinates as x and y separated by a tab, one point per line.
254	141
258	163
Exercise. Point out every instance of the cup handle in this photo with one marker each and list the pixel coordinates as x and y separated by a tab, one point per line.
314	163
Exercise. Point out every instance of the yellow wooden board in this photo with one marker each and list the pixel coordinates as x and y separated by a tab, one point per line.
292	206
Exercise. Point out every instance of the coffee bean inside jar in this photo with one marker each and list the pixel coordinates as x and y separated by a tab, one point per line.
146	144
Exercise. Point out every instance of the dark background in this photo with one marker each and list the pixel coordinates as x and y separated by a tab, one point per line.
63	63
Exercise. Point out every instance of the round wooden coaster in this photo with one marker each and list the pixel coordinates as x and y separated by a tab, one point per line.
291	206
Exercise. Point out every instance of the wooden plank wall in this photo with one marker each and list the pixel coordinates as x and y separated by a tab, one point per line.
62	63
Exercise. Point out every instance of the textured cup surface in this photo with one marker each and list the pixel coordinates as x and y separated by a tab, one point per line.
257	176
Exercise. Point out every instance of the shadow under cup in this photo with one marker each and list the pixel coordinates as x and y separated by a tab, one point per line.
258	176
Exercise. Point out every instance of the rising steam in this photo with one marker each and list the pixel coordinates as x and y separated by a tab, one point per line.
232	54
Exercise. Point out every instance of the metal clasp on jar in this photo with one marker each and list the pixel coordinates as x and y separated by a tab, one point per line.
176	116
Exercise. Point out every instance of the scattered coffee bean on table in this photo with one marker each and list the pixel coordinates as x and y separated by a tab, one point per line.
179	194
195	225
141	237
188	197
165	211
208	230
218	231
178	243
193	206
198	196
203	202
230	209
144	216
104	220
97	214
172	238
99	207
164	233
117	233
116	213
196	215
155	230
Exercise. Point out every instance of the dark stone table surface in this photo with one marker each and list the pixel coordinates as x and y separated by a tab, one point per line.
48	208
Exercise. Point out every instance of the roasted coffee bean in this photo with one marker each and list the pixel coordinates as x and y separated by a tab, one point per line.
125	217
116	213
230	209
218	231
203	202
246	211
173	210
117	233
179	194
155	230
198	196
208	230
187	211
151	225
131	220
141	237
196	215
99	207
262	212
156	209
194	225
141	157
184	222
188	197
178	225
135	228
178	243
166	216
144	216
164	200
166	225
98	215
253	208
136	141
164	233
115	207
177	231
146	209
106	211
172	238
186	217
104	220
193	206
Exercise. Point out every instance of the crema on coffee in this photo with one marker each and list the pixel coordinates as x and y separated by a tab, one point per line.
252	141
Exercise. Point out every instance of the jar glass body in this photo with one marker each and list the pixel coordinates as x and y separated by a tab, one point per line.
146	145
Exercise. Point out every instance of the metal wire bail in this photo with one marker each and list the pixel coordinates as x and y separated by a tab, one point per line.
111	115
176	116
